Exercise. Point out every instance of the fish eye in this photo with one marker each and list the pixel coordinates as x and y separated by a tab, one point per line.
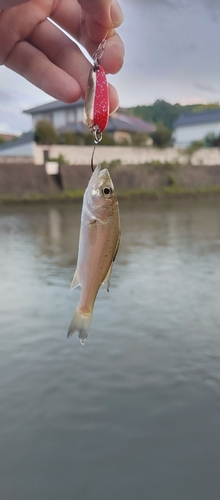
106	191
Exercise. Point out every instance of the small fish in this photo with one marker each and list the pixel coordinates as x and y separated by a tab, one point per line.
98	246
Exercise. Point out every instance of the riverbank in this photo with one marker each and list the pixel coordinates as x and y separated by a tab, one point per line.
76	196
30	183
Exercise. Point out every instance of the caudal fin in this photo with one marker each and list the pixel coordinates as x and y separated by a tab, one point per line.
80	323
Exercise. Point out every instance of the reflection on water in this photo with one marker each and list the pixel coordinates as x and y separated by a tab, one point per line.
135	413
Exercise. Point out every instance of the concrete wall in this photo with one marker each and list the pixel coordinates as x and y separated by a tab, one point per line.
27	179
80	155
16	159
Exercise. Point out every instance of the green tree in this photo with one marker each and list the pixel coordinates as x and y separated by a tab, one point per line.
167	113
71	138
139	139
162	136
45	133
209	140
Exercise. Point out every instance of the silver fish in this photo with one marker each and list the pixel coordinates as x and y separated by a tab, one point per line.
98	246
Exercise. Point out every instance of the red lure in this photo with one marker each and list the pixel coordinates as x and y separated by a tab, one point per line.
97	100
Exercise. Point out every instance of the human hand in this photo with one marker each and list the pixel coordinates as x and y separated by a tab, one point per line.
31	45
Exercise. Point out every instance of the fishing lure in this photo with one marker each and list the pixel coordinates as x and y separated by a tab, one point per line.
97	96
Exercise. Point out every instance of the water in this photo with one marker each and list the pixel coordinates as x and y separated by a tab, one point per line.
135	413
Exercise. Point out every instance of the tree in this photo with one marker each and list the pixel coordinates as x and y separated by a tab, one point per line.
162	136
139	139
45	133
166	112
70	138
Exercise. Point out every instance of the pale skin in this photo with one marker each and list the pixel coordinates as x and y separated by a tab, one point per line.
36	49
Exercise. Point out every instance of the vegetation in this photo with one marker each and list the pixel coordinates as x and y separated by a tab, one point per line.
139	139
60	159
162	111
172	190
212	141
162	136
45	133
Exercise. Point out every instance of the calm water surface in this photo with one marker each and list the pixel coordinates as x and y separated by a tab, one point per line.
135	413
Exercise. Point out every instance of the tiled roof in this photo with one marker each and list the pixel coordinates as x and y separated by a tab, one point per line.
53	106
209	116
127	123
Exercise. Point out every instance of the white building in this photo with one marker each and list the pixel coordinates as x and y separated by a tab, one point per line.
195	127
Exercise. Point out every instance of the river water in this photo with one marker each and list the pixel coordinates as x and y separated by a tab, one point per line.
135	413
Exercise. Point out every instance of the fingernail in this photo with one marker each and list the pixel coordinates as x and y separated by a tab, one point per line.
116	13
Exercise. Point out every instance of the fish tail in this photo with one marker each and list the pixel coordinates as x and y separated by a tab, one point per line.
80	323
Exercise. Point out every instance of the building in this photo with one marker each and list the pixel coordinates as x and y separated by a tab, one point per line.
60	114
195	127
21	146
7	137
70	118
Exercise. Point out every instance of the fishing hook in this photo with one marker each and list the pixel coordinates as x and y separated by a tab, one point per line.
92	165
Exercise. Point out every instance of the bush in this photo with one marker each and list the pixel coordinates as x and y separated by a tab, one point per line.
70	139
45	133
139	139
162	136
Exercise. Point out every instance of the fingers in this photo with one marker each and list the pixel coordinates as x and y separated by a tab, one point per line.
45	56
7	4
37	69
17	23
86	28
107	13
66	55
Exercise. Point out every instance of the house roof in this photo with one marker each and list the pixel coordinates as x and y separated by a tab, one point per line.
54	106
23	139
127	123
7	137
209	116
117	122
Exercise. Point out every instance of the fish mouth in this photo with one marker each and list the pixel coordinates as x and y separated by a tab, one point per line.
101	176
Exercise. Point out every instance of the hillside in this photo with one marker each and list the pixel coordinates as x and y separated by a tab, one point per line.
166	113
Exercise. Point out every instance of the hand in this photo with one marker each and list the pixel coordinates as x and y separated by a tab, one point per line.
34	47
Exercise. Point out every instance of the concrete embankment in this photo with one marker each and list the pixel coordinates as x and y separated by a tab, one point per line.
28	180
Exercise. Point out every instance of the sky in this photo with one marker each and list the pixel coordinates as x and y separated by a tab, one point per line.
172	52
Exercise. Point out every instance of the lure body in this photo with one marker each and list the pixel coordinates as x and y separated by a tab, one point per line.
97	100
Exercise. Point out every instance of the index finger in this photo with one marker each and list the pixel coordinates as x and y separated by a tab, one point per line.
89	32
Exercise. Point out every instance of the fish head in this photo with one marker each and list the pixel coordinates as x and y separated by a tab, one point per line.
101	191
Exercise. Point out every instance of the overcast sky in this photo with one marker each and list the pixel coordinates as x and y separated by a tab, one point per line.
172	53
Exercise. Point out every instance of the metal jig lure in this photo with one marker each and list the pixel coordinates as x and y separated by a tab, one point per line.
97	97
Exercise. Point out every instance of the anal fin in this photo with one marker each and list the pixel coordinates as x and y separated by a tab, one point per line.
106	281
75	281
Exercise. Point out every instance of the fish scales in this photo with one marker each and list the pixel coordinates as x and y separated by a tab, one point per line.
98	245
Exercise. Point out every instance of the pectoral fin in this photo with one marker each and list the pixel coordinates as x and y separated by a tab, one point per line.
75	281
